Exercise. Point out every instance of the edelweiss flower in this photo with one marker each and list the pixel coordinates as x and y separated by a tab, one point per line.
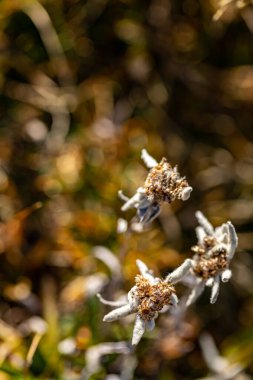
213	253
147	298
163	184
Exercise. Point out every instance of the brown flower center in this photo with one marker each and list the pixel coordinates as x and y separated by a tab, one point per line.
210	258
152	298
164	183
210	267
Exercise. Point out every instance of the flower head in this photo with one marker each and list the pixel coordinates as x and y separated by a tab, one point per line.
163	184
149	296
213	253
215	248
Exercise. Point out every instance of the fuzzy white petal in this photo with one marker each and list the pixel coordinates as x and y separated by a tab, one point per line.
132	299
111	303
165	309
118	313
200	232
210	281
233	240
195	293
179	272
174	300
221	233
144	271
204	223
226	275
215	289
142	267
148	160
186	193
139	329
131	202
122	196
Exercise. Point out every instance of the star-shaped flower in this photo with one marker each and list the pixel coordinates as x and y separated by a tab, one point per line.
147	298
163	184
210	264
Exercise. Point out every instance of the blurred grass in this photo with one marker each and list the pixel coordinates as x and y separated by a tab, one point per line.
85	85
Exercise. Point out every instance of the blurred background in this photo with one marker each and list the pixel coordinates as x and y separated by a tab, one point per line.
85	85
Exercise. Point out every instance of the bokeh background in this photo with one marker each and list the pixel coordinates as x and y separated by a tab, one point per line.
85	85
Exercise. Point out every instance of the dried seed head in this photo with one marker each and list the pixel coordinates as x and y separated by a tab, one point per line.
210	267
164	183
152	298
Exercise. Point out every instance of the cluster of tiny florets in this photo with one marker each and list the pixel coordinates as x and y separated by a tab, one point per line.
210	267
152	298
164	184
210	259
